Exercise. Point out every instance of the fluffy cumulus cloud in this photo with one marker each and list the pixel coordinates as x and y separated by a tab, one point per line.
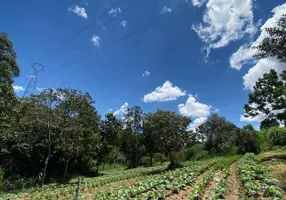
146	73
193	108
95	40
165	10
114	12
244	55
166	92
225	21
124	23
197	122
121	110
80	11
261	67
18	88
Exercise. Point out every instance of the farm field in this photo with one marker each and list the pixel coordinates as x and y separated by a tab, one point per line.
235	177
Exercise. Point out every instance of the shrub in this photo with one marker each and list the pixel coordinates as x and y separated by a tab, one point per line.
179	157
159	158
196	152
228	149
277	136
145	161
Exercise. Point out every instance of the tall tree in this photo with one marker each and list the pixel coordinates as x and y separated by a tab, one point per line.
133	122
268	99
217	131
109	133
149	138
8	71
271	46
274	44
8	65
171	131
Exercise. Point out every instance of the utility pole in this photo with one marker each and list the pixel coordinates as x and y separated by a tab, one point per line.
33	81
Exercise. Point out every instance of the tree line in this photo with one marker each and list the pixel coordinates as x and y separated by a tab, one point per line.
58	133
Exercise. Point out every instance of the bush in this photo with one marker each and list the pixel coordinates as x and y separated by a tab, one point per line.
179	157
263	141
16	182
228	149
145	161
277	136
196	152
159	158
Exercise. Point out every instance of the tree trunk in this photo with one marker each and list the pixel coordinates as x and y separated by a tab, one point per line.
171	159
97	168
46	166
151	163
66	169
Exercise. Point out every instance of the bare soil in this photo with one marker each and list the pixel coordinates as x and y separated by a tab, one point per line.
233	184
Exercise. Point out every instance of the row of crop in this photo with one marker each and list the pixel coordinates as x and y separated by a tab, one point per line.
256	180
159	185
220	183
55	191
219	188
169	182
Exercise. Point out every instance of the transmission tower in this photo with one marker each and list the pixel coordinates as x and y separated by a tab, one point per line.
37	67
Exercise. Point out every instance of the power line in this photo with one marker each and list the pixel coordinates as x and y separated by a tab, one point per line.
114	43
77	34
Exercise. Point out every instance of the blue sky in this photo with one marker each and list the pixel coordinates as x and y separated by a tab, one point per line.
197	53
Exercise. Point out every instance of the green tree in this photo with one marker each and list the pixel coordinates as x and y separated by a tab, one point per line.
133	122
171	131
268	99
246	140
274	44
269	89
218	131
74	109
149	138
8	71
109	133
8	66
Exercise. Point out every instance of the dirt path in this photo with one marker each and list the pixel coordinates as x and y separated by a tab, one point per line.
232	184
211	185
183	194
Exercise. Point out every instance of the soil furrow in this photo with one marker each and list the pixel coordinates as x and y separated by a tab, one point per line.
233	184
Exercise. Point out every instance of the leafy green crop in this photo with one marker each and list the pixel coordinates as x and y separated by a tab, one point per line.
255	178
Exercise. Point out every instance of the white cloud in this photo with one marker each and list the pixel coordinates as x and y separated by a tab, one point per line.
80	11
261	67
225	21
166	10
166	92
244	55
198	3
197	122
192	108
146	73
18	88
95	40
114	12
124	23
121	110
258	118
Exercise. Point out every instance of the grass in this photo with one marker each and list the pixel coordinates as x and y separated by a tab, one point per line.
276	166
